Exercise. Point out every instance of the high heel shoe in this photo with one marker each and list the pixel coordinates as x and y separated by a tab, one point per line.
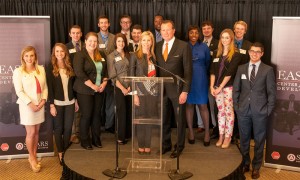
226	143
141	151
220	141
191	141
206	143
35	168
147	151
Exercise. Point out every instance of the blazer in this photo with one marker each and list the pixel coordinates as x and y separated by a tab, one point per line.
229	69
71	46
213	45
179	62
117	68
110	44
261	97
245	58
130	47
55	86
25	85
85	69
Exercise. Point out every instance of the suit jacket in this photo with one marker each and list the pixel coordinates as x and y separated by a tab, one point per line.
229	69
179	62
244	51
71	46
85	69
26	88
261	97
110	44
213	44
154	35
131	47
55	86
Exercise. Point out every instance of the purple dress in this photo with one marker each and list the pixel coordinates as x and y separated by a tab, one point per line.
199	87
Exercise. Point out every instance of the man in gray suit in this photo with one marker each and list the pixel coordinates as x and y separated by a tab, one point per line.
254	95
175	56
106	45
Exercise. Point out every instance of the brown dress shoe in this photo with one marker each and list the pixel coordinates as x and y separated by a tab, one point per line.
255	174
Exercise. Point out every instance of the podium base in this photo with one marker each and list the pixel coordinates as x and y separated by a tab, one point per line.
176	175
116	173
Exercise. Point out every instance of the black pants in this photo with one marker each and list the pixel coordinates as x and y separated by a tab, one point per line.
90	106
62	126
181	123
123	113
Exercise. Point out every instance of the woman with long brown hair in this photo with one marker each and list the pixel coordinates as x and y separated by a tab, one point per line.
223	69
91	74
60	78
32	91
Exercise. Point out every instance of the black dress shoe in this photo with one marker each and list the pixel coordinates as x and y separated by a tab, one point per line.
255	174
174	154
165	150
246	168
191	141
206	143
87	146
98	144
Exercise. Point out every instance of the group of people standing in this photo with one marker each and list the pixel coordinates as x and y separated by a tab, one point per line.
81	77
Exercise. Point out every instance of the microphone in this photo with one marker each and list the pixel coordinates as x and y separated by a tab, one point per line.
176	76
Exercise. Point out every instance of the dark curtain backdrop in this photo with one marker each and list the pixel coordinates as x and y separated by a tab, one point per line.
223	13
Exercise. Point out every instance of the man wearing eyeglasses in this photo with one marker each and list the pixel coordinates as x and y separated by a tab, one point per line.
125	23
254	95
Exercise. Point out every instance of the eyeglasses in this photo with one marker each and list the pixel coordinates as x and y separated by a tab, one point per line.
255	52
126	22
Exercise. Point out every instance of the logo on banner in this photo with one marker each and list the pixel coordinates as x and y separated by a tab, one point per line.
19	146
275	155
4	147
291	157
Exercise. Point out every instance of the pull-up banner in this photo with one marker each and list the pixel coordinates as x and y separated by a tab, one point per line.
16	32
283	139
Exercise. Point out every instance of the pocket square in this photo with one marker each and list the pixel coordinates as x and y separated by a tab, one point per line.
176	56
243	76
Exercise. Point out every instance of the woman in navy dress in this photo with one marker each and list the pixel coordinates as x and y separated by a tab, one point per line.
198	94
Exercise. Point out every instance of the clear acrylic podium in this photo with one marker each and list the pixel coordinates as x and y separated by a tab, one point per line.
147	114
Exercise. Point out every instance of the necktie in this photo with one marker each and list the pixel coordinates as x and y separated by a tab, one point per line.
166	52
252	75
77	47
206	42
135	47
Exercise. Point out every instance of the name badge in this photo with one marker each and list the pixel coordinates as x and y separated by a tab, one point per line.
211	53
102	46
71	51
216	60
243	51
118	58
103	59
243	76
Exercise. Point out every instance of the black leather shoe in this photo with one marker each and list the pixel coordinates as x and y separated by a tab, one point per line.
191	141
87	147
206	143
246	168
165	150
98	144
255	174
174	153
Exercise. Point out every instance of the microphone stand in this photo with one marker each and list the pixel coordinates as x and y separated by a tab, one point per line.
175	174
117	172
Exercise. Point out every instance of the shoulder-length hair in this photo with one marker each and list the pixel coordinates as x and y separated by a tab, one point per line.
139	52
231	45
97	55
125	49
66	61
35	63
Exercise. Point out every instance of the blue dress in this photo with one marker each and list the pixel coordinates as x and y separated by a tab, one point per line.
199	87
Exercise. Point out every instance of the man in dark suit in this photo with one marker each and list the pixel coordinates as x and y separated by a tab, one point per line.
175	56
254	95
157	25
106	46
291	109
125	23
212	43
75	45
243	45
136	32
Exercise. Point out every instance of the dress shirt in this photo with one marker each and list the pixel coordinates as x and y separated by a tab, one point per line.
158	37
170	44
250	68
74	44
208	41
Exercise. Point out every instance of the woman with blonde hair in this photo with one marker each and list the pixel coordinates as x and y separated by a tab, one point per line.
223	69
32	91
60	78
142	65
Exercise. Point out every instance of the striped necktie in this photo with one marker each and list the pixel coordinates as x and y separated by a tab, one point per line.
252	75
